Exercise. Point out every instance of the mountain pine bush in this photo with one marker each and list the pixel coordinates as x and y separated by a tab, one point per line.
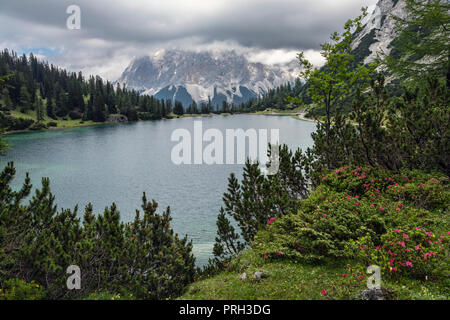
38	243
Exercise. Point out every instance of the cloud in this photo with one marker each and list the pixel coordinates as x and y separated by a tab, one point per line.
113	32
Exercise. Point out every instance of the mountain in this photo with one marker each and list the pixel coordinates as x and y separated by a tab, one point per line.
378	31
189	76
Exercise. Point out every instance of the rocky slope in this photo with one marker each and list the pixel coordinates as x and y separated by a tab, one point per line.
378	31
186	76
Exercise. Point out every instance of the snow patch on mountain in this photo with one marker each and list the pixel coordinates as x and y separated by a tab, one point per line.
215	75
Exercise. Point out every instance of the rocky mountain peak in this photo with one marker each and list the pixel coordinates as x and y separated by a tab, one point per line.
201	75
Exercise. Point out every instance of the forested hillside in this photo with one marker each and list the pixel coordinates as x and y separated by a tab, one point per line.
36	95
48	93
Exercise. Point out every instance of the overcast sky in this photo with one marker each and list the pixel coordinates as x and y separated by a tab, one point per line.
113	32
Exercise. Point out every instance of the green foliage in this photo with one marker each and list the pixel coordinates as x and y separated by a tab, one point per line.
379	164
331	86
410	131
353	204
162	263
4	79
418	126
102	295
25	99
289	280
413	252
423	45
258	198
8	122
227	243
178	109
39	107
285	97
38	126
38	243
34	85
16	289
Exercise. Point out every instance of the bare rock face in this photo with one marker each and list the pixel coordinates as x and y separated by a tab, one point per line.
379	29
189	76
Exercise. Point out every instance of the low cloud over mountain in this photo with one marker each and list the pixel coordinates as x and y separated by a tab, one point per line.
217	75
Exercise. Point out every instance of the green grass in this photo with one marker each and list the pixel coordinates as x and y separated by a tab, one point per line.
69	123
109	296
61	123
194	115
270	111
288	280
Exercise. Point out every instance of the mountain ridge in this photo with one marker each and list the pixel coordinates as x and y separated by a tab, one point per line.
378	31
218	76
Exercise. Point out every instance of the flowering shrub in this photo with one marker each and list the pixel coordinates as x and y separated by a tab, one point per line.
415	252
16	289
426	192
314	236
355	212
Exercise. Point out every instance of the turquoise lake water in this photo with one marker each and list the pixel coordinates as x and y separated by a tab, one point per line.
116	163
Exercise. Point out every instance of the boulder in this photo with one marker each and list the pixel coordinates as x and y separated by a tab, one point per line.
243	276
375	294
116	118
260	275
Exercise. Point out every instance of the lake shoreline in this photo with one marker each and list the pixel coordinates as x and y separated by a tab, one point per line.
116	164
295	115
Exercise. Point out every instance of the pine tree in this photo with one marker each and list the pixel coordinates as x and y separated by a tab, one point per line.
25	98
6	98
251	202
4	81
39	107
163	263
193	108
98	112
69	92
178	109
227	242
38	243
163	109
51	106
423	45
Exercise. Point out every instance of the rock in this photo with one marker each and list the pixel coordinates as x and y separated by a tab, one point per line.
375	294
243	276
193	75
260	275
117	118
